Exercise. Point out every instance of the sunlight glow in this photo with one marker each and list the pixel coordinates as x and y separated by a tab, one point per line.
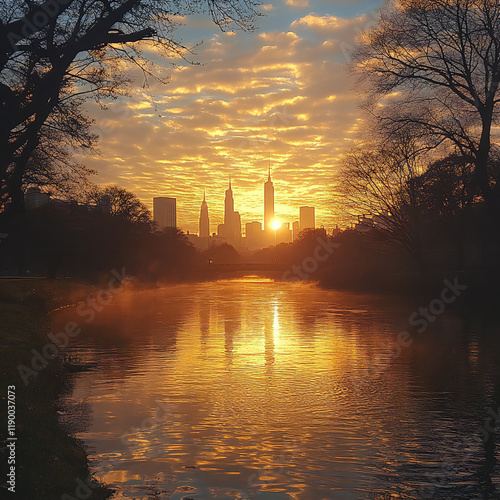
276	224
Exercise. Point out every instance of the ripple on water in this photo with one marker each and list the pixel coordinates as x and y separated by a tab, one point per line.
252	389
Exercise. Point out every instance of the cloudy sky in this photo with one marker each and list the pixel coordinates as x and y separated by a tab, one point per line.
281	91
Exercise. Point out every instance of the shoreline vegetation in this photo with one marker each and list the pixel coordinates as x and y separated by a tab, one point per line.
50	461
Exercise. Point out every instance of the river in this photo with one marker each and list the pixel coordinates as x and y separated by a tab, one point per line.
255	389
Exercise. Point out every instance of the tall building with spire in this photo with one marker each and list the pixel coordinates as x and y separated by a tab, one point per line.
228	204
231	229
268	202
204	219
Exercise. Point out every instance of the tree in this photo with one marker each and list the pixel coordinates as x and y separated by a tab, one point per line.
221	254
121	203
56	53
51	163
434	65
165	254
379	181
446	194
446	187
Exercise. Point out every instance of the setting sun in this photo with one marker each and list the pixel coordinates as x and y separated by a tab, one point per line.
276	224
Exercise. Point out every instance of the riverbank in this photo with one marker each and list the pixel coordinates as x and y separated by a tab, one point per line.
48	461
482	289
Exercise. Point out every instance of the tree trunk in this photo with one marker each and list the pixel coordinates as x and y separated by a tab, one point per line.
482	163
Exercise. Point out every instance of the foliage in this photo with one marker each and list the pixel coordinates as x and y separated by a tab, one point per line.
120	203
432	69
221	254
54	55
379	181
85	241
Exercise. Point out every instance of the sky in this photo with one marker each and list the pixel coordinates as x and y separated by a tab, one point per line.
280	94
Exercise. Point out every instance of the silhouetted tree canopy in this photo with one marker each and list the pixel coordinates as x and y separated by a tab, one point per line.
446	188
432	68
56	54
416	207
121	203
221	254
65	238
379	181
51	166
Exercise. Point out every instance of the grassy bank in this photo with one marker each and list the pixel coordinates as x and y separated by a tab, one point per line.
49	460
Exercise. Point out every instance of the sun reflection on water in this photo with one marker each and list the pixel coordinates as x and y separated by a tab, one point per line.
258	377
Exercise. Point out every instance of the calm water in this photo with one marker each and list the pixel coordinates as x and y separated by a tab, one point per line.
256	389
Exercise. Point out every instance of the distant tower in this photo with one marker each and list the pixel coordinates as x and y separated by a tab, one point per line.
307	218
165	212
253	233
232	219
268	202
228	205
204	220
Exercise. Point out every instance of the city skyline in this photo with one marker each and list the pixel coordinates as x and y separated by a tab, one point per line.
215	199
233	227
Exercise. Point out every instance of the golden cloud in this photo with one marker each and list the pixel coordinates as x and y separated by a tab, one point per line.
277	93
297	4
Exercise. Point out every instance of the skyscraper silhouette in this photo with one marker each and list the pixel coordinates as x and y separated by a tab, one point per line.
268	202
204	219
228	204
307	218
165	212
231	229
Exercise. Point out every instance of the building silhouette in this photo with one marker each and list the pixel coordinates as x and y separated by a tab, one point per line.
204	219
268	203
253	234
231	229
35	198
307	218
165	212
284	234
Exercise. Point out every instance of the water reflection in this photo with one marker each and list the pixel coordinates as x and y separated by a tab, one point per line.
271	394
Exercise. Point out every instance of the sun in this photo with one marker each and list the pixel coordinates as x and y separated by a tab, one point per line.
276	224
